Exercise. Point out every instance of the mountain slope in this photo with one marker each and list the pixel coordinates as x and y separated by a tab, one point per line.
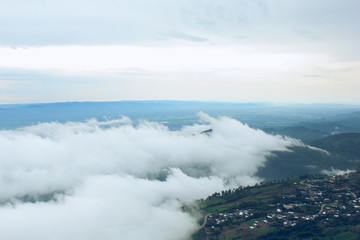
344	144
343	152
303	207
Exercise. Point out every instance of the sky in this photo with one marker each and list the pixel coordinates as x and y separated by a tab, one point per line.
231	50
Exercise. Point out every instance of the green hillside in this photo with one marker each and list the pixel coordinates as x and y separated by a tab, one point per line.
304	207
305	134
344	144
343	152
311	131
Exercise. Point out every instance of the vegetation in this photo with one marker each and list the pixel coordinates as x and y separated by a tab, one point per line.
343	152
303	207
345	144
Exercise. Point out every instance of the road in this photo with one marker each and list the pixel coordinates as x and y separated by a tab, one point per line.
205	220
322	208
353	194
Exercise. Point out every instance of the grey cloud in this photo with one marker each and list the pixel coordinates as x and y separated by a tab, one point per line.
139	22
311	76
119	22
308	34
189	37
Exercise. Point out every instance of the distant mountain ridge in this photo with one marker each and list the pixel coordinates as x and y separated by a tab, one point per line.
310	131
299	132
179	113
344	144
344	153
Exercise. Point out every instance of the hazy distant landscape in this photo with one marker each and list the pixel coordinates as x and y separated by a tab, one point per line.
319	120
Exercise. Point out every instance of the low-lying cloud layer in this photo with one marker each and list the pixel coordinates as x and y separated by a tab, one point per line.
114	180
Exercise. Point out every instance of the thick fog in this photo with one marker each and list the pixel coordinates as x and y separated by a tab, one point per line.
116	180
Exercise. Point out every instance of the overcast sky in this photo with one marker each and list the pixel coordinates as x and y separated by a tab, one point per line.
233	50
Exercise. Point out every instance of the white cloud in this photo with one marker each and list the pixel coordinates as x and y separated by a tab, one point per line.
157	59
335	172
275	42
106	207
108	172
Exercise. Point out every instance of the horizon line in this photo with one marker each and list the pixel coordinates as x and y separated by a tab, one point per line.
184	101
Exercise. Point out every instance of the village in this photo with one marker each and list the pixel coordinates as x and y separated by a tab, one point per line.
312	199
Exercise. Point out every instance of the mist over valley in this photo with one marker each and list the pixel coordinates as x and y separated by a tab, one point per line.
79	171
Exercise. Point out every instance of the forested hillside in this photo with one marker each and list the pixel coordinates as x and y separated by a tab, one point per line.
304	207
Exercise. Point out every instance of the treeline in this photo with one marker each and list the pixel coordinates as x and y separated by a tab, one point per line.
243	191
342	226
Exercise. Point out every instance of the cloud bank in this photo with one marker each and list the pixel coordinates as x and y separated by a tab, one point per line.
117	180
335	172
